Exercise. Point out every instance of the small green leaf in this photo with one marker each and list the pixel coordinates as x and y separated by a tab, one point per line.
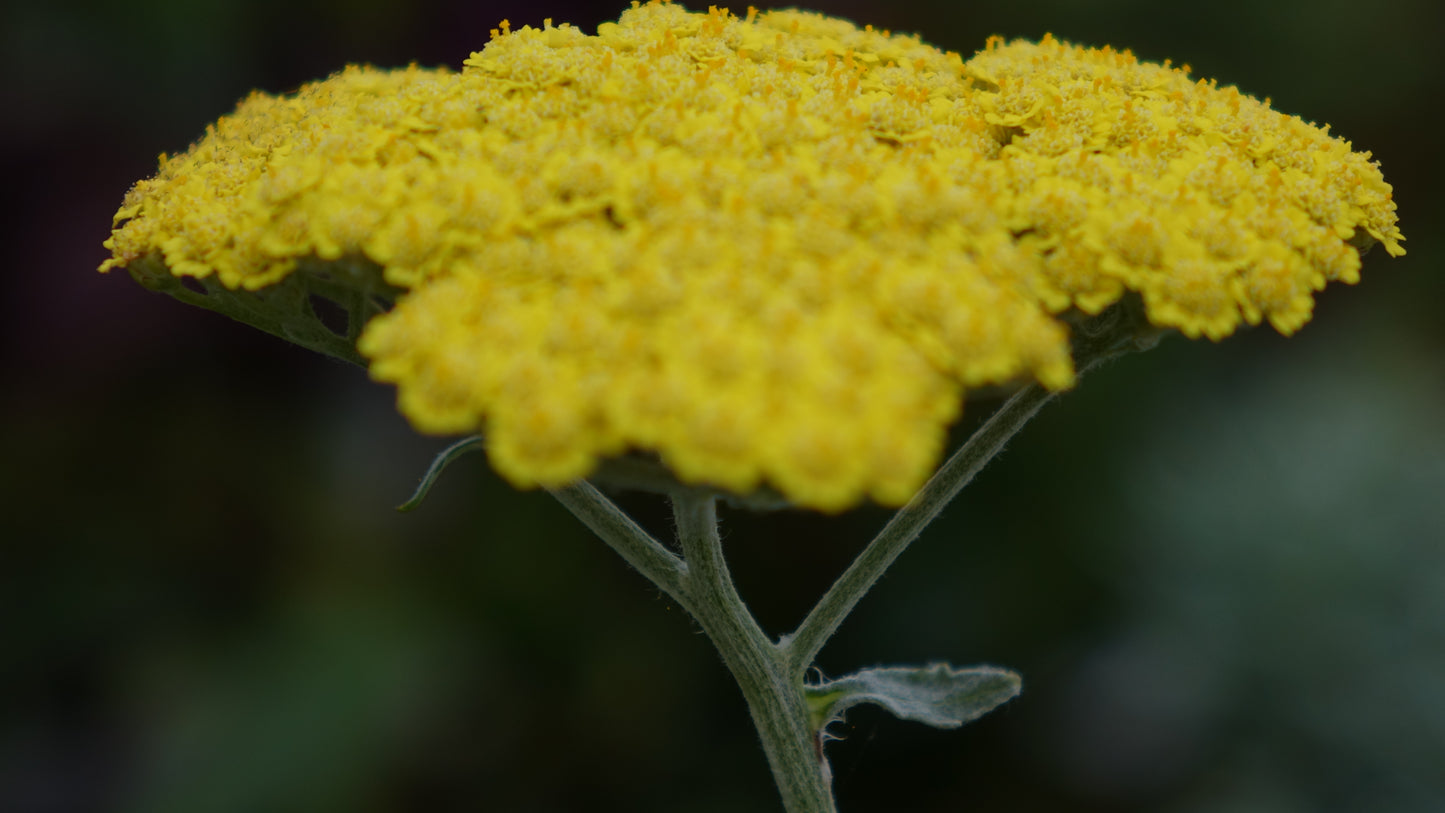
937	695
475	443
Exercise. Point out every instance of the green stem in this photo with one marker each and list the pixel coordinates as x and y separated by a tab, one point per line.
651	558
804	644
703	586
775	697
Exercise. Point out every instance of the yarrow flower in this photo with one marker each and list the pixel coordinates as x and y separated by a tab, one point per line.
774	249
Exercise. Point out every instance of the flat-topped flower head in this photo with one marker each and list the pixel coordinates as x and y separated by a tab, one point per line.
772	249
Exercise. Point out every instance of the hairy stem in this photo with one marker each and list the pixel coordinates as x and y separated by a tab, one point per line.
775	697
651	558
804	644
702	585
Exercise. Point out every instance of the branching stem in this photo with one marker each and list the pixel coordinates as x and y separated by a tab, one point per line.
775	697
651	558
771	674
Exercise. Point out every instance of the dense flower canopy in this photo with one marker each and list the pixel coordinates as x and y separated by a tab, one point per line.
770	249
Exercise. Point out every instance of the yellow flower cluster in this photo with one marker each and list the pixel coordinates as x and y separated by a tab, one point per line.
770	249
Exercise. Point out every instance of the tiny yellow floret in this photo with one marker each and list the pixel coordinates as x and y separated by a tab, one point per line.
772	250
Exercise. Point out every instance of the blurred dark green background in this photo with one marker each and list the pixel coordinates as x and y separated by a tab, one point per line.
1221	568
